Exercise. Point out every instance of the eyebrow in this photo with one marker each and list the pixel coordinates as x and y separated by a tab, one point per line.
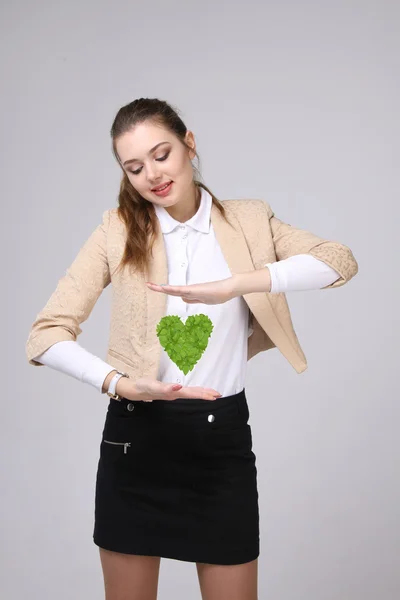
131	160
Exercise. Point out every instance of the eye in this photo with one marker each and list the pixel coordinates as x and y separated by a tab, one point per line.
163	157
160	159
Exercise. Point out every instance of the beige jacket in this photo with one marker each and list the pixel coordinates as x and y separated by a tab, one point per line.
258	237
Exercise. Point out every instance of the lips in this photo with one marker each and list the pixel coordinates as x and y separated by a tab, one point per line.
159	187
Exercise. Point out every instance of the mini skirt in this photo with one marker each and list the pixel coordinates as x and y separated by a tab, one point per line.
178	479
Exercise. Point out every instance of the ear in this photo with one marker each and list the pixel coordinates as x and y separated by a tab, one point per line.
189	138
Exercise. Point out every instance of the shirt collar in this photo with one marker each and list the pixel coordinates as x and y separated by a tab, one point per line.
200	221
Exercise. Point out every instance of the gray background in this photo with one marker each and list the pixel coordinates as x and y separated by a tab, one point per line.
295	103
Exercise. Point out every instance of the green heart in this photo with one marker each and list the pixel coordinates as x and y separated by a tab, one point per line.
184	343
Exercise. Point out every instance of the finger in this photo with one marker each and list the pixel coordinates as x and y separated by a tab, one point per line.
170	292
183	293
167	388
169	288
210	396
180	290
212	391
192	301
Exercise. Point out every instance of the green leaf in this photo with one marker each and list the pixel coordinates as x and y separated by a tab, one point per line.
186	342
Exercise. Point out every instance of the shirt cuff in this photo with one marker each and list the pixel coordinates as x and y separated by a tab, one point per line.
70	358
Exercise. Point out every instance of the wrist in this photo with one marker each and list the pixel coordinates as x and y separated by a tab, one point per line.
126	387
252	281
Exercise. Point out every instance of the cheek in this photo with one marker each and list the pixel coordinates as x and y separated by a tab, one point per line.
182	167
133	181
138	181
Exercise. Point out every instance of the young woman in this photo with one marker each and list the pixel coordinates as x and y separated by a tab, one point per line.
177	474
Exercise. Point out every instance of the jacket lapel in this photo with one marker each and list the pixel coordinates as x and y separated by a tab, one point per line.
157	272
237	255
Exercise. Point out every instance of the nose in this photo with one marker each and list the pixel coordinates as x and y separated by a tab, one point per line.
153	175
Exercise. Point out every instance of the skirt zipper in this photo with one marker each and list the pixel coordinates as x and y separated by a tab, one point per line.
124	444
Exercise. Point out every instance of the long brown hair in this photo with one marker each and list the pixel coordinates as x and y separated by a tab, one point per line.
136	212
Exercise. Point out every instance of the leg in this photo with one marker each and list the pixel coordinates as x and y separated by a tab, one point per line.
228	582
129	576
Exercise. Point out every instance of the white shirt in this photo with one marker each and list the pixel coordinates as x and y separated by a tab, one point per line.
194	256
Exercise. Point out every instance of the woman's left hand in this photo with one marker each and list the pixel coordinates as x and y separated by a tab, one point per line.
214	292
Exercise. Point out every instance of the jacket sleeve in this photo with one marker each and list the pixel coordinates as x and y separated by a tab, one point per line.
74	297
289	241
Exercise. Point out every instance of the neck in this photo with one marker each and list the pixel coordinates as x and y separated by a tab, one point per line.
183	211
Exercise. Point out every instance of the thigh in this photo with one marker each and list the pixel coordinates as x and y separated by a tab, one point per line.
228	582
129	576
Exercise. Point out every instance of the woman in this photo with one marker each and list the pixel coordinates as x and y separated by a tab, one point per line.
177	475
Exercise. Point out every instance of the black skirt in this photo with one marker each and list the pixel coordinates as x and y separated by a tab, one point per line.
178	479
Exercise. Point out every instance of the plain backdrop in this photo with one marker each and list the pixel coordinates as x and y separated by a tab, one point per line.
292	102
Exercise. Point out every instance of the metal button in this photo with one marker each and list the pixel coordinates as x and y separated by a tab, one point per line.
211	418
130	406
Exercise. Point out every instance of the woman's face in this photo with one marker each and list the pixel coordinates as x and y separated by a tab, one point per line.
148	166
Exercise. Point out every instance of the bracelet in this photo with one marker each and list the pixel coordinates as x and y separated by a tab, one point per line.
111	388
113	383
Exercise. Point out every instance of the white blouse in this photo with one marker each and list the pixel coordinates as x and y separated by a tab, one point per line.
194	256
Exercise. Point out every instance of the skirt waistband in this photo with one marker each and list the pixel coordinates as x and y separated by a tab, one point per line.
225	407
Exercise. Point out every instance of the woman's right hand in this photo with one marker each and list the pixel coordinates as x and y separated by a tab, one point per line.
151	389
